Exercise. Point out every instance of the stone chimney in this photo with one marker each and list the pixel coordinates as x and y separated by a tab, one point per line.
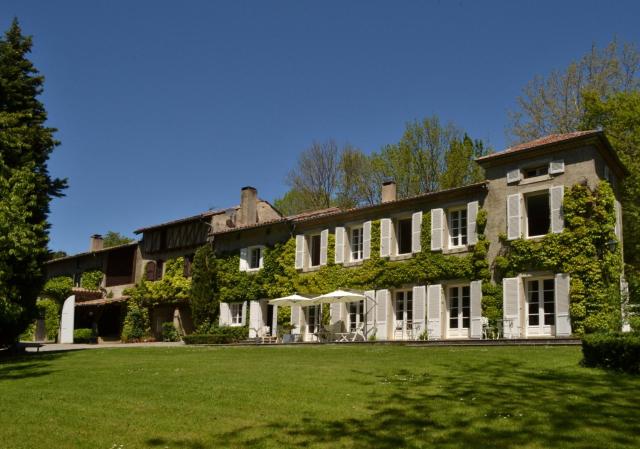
248	206
388	191
96	243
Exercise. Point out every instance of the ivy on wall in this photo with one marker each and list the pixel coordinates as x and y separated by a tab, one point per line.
173	288
91	280
587	249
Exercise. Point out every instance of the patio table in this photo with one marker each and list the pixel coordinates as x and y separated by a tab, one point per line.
344	336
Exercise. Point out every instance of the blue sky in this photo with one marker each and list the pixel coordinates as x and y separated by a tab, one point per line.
167	108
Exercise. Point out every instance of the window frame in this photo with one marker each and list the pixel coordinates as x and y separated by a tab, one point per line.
525	200
350	231
463	237
250	251
309	243
460	317
237	315
397	235
541	303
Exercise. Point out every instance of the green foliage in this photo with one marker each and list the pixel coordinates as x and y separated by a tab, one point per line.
173	288
26	188
169	332
57	288
91	280
136	325
612	351
461	168
84	336
219	335
582	250
203	298
112	238
49	309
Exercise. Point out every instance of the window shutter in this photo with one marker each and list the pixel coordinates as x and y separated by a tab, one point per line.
255	319
244	259
243	318
382	300
511	307
618	226
370	312
366	240
225	314
186	269
274	329
334	313
261	262
159	270
437	229
299	252
513	175
419	310
296	311
514	216
416	228
556	167
475	290
385	237
324	244
340	244
563	320
150	271
556	195
472	214
434	300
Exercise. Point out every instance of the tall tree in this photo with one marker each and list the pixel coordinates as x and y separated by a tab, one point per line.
113	238
460	166
555	104
203	298
26	187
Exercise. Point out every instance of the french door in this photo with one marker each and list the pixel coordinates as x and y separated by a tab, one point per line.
540	307
403	306
356	314
459	311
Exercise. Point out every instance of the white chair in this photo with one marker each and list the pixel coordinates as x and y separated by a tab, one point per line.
485	328
358	332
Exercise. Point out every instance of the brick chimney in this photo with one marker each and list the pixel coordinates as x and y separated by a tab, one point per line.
388	191
96	243
248	206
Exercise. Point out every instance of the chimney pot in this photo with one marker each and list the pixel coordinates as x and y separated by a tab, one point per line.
96	243
388	191
248	206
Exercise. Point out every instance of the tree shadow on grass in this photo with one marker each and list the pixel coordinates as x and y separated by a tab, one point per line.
504	405
26	366
174	442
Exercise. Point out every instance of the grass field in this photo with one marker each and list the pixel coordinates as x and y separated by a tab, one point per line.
316	397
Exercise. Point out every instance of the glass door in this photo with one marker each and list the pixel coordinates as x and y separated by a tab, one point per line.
541	314
403	329
459	311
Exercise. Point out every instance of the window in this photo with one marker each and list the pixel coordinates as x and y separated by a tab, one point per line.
538	214
77	277
255	255
458	227
535	171
313	319
404	306
314	250
235	309
403	235
459	307
188	261
356	244
356	315
540	302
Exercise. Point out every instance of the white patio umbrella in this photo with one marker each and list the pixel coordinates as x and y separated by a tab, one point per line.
339	296
292	300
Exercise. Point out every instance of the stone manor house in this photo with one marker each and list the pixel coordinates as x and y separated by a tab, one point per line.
522	196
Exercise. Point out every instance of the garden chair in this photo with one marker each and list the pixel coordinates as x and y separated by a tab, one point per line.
485	328
266	336
358	332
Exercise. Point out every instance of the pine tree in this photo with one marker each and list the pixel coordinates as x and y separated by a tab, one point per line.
26	188
204	288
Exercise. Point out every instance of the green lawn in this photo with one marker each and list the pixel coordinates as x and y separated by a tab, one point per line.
316	397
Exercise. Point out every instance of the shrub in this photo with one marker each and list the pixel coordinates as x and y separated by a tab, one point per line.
91	280
136	324
84	336
50	311
218	335
169	332
612	351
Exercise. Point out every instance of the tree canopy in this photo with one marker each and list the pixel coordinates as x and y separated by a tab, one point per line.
113	238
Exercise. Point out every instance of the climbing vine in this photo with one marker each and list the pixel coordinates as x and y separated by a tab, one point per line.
173	288
587	249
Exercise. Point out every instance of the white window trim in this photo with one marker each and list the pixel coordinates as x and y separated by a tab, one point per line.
350	230
525	279
232	316
249	255
309	249
450	227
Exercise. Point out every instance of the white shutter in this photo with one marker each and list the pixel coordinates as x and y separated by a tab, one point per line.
274	328
225	314
556	195
563	321
475	291
261	263
244	259
255	319
366	240
434	300
296	311
334	313
300	244
511	307
416	229
514	216
385	237
340	244
472	214
382	308
324	244
243	318
513	175
556	167
419	310
370	312
437	229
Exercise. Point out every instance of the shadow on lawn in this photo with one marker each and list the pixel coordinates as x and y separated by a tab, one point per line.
26	366
505	405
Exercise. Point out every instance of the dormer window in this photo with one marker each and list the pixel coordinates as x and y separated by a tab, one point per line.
534	172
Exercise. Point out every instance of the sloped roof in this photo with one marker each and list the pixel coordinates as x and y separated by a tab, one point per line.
102	301
98	251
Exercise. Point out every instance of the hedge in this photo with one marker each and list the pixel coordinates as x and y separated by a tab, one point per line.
218	335
619	351
84	336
